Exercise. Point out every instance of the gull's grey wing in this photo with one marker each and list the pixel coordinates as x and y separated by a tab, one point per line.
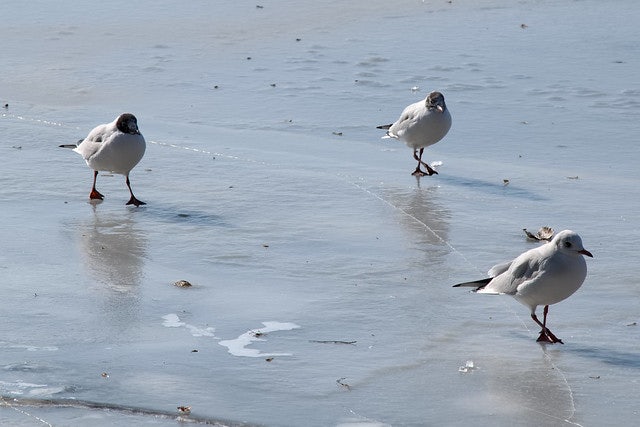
498	269
522	269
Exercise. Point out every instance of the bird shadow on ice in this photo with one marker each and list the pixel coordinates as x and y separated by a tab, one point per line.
608	356
178	215
503	189
604	355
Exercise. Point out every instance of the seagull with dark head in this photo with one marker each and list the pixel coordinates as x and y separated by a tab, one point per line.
420	125
114	147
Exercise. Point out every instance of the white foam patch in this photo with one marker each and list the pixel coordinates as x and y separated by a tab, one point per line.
45	391
363	424
173	321
238	346
4	344
201	332
20	388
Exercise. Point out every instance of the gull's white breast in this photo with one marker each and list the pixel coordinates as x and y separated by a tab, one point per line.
108	149
419	127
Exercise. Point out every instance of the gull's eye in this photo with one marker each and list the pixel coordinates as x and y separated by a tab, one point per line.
567	244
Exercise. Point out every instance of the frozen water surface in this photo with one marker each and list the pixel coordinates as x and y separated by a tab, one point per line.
321	268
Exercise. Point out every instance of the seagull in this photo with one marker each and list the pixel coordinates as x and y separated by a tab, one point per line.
420	125
115	147
541	276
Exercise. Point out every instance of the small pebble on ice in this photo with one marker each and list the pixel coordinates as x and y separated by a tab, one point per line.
182	284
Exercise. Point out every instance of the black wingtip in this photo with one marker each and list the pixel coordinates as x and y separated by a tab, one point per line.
478	284
67	146
385	127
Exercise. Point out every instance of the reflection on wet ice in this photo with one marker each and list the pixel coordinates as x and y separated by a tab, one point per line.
113	250
422	213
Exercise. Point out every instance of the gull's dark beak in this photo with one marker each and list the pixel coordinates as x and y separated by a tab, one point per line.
585	252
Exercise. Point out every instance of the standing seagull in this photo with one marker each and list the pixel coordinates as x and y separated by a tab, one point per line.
541	276
420	125
115	147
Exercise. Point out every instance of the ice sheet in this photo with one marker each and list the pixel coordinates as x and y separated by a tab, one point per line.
270	190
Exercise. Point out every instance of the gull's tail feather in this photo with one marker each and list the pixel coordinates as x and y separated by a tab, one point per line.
387	127
477	284
70	145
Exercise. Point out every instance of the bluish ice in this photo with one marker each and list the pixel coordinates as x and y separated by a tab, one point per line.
321	270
